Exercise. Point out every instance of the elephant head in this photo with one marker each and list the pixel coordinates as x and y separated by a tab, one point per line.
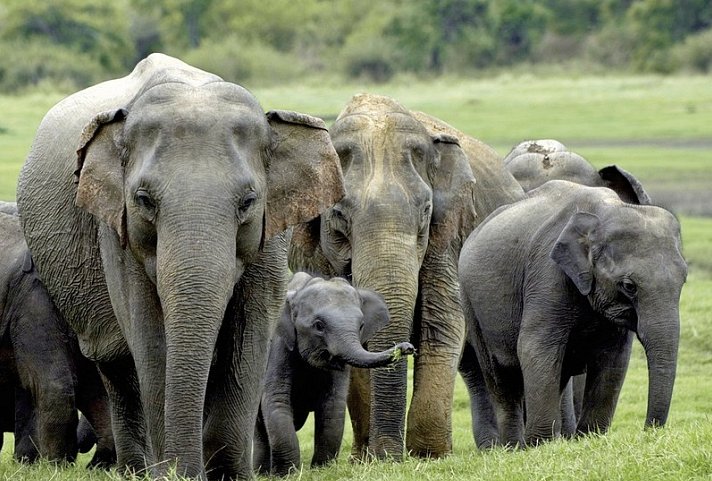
533	163
626	259
542	146
327	321
193	179
409	203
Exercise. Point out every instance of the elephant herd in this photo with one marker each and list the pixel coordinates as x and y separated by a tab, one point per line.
163	212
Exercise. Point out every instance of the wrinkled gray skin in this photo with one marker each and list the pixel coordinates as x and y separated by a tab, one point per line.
44	378
533	163
560	283
318	339
171	240
410	202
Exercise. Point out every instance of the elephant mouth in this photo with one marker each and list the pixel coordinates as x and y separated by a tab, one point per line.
626	318
325	360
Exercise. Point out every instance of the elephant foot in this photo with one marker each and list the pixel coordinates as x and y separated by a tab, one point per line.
102	459
430	452
386	450
428	440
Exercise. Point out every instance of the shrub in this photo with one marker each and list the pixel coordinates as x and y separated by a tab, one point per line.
244	62
695	53
371	58
611	46
38	62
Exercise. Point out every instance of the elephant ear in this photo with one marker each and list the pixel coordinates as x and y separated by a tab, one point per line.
628	188
285	327
375	313
453	185
100	172
304	174
572	248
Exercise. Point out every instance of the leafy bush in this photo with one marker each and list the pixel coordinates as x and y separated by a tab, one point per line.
611	46
243	62
38	62
695	53
370	58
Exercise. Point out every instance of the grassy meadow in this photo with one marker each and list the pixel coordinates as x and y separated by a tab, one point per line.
658	128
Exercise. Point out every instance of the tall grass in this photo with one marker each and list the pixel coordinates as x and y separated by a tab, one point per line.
655	127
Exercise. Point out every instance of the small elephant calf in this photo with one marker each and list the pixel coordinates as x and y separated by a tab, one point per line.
44	378
320	334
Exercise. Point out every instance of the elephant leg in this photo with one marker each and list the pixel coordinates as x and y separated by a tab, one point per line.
93	402
45	369
133	453
237	377
441	335
568	414
139	313
359	404
329	418
579	387
261	451
605	374
484	419
283	439
541	361
509	411
25	427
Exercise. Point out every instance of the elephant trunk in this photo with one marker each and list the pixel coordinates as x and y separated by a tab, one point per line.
352	352
197	269
388	264
659	332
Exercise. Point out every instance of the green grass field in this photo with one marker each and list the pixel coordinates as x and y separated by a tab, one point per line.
655	127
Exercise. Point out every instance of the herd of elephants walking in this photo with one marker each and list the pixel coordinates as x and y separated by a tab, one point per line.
145	281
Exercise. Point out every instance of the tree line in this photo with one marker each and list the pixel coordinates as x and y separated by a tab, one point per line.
73	43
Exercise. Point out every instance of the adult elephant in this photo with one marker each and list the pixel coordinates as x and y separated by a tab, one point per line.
536	162
410	201
169	258
557	284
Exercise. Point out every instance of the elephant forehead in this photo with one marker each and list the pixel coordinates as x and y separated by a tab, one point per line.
371	125
327	294
205	107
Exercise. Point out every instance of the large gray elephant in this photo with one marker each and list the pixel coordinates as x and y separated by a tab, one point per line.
557	284
167	255
410	202
535	162
318	338
44	378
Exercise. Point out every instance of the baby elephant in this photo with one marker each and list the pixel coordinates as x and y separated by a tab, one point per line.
320	334
44	378
555	285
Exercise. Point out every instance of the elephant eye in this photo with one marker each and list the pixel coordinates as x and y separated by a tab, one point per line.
339	218
144	200
319	325
247	201
629	287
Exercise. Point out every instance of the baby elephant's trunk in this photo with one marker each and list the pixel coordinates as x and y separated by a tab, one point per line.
353	353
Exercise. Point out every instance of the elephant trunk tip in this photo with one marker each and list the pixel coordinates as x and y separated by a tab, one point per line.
365	359
402	349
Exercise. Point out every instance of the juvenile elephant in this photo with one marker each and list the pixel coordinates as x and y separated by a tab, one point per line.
534	163
410	202
320	335
557	284
44	378
167	254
